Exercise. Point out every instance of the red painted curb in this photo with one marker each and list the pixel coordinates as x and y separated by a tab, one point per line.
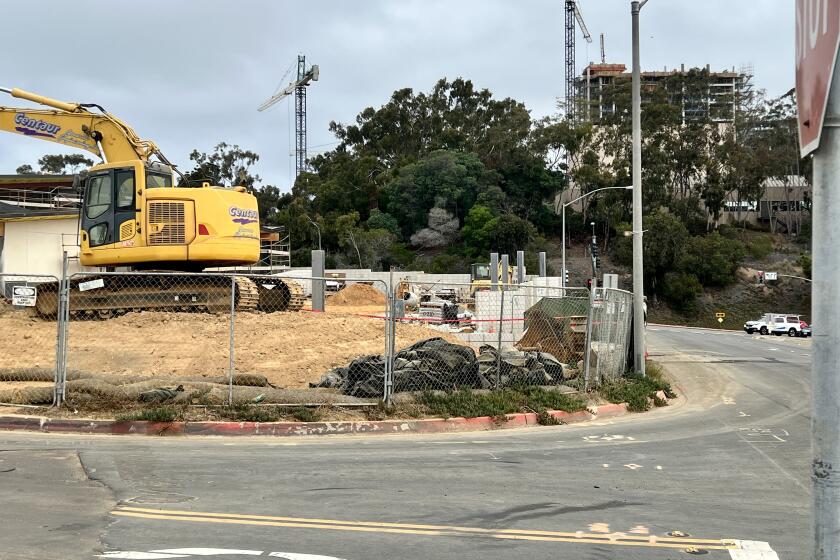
425	426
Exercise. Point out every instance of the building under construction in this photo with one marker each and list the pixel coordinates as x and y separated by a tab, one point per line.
701	93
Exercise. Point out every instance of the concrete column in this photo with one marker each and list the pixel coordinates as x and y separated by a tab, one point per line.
520	267
543	273
505	269
494	271
318	258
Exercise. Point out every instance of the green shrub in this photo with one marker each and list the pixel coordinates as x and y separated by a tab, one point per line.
681	290
161	414
637	391
804	261
247	413
468	404
304	414
712	258
760	246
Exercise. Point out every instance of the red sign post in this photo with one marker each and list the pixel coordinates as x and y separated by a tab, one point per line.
817	41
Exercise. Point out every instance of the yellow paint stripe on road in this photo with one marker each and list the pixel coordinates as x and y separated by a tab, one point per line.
478	530
426	530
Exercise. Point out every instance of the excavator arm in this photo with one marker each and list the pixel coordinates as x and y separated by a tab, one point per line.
77	126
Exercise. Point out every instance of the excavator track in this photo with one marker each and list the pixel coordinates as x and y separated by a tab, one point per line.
103	297
278	294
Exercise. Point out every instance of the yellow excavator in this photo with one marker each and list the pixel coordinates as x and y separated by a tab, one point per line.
133	215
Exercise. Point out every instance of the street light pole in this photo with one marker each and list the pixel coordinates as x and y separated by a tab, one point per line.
563	252
318	229
638	247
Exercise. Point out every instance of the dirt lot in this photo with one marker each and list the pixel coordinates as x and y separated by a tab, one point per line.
290	349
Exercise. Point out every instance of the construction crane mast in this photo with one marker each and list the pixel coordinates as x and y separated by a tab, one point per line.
572	15
603	52
298	87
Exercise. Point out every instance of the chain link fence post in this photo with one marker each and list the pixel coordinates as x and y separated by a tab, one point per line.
499	343
63	318
390	345
587	347
232	337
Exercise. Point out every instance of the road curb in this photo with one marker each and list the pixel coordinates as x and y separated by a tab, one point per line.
383	427
687	327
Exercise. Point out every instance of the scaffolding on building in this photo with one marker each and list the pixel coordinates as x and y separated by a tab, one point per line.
718	101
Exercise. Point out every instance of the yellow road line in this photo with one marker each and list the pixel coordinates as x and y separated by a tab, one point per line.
429	530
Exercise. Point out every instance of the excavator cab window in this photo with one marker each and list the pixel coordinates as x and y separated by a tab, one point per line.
157	180
98	198
481	272
125	189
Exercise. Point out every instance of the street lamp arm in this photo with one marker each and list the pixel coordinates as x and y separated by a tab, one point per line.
595	191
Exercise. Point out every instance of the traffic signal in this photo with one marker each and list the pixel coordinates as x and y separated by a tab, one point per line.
566	276
759	277
596	258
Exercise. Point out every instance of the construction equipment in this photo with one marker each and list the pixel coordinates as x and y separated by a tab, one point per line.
134	215
480	277
304	78
572	15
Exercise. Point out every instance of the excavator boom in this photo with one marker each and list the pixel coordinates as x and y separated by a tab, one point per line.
76	126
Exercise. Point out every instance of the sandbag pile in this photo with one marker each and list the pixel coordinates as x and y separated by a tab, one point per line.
435	364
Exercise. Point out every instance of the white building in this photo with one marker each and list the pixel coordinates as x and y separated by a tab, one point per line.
39	221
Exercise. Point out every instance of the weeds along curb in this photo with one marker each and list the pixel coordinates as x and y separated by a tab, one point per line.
383	427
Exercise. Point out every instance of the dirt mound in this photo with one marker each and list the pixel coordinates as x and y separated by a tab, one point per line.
289	349
357	294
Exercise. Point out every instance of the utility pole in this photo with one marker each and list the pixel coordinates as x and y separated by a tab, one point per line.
638	247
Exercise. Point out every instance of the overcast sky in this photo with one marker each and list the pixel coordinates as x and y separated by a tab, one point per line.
190	73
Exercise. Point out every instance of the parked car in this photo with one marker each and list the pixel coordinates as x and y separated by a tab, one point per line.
806	329
762	325
787	324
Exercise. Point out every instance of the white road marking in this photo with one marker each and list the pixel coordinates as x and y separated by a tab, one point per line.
137	555
607	437
295	556
192	552
728	400
752	550
742	414
634	466
659	467
210	551
606	465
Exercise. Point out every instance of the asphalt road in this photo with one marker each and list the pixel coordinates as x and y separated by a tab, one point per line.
727	462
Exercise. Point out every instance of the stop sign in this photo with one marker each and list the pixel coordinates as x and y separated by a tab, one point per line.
817	34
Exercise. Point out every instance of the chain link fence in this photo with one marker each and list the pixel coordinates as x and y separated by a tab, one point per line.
612	320
29	349
527	334
118	338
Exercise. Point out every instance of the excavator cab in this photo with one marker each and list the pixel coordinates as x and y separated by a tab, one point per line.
110	212
133	215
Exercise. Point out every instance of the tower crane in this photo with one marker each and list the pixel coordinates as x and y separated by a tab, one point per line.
572	15
298	87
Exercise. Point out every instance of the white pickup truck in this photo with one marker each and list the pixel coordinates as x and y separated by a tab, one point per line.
790	325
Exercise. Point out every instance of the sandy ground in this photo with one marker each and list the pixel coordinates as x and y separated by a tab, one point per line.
290	349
